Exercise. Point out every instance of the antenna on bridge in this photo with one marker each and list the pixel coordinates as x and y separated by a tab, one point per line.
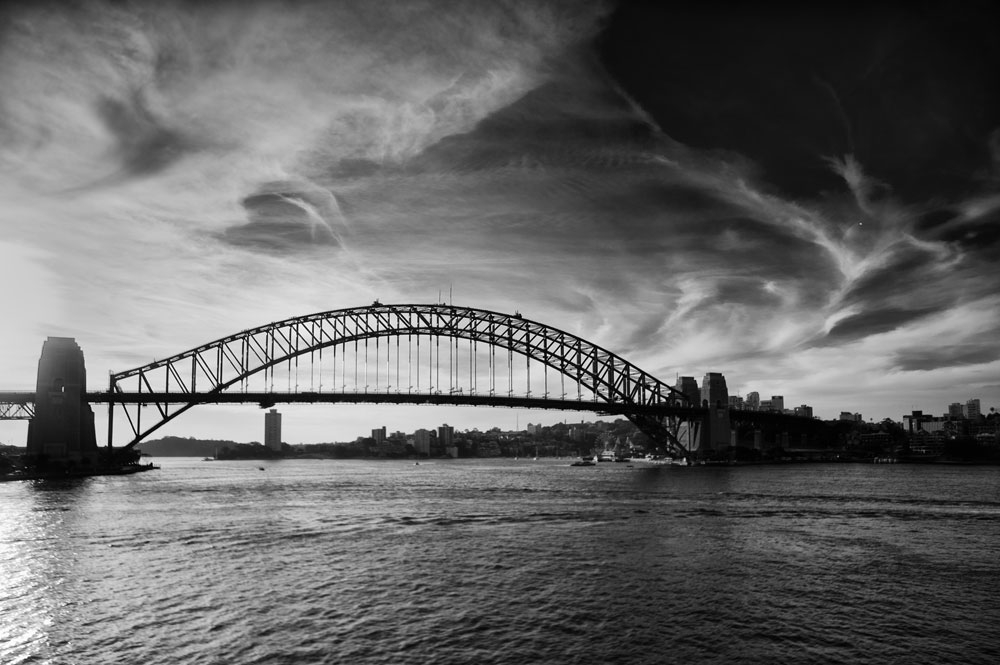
451	301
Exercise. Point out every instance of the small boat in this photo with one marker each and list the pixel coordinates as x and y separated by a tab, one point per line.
260	468
582	462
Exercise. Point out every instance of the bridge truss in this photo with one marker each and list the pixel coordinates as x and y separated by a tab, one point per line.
398	353
17	405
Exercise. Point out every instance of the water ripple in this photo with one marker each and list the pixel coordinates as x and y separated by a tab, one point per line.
361	562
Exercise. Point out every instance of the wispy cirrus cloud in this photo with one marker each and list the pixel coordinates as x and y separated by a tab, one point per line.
696	206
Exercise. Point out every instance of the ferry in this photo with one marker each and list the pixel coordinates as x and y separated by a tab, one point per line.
660	459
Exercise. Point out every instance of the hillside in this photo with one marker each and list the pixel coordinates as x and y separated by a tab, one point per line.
176	446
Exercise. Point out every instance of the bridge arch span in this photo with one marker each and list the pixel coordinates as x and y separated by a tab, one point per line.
227	365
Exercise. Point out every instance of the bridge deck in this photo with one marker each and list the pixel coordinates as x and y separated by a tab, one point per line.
461	399
17	396
266	399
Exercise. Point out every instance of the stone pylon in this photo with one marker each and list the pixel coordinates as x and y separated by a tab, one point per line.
63	427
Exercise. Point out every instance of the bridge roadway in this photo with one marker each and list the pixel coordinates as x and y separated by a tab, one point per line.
17	396
17	405
268	399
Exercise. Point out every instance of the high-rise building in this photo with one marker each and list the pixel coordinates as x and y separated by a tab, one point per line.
422	442
378	434
689	386
752	401
736	402
778	403
805	411
972	410
272	430
714	391
446	435
955	411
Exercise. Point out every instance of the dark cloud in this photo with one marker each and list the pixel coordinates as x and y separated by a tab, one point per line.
144	144
875	322
975	234
354	168
578	143
908	89
570	121
905	275
946	356
287	216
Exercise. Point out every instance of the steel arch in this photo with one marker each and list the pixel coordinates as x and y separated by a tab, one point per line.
221	364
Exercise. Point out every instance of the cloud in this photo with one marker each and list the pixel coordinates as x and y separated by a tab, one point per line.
906	90
175	172
973	228
285	216
875	322
144	144
948	356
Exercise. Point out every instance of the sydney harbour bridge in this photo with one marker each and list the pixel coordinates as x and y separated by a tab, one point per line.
401	354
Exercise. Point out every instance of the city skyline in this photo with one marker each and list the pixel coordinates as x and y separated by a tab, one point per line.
805	202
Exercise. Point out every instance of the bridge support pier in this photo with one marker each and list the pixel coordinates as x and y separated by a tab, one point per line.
62	430
707	435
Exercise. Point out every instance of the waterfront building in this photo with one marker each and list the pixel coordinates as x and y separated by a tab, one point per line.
272	430
446	436
752	401
422	442
876	440
714	391
918	421
378	434
972	409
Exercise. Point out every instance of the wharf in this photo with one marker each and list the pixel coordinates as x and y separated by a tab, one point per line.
125	470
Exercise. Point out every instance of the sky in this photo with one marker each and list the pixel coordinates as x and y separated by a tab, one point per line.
806	200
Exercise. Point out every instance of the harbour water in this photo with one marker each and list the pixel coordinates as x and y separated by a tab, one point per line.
502	561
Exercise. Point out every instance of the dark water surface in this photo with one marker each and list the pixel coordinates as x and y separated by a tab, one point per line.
502	561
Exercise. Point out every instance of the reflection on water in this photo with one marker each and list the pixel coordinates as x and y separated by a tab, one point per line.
501	561
39	558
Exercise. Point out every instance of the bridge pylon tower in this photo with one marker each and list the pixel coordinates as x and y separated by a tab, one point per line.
62	429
